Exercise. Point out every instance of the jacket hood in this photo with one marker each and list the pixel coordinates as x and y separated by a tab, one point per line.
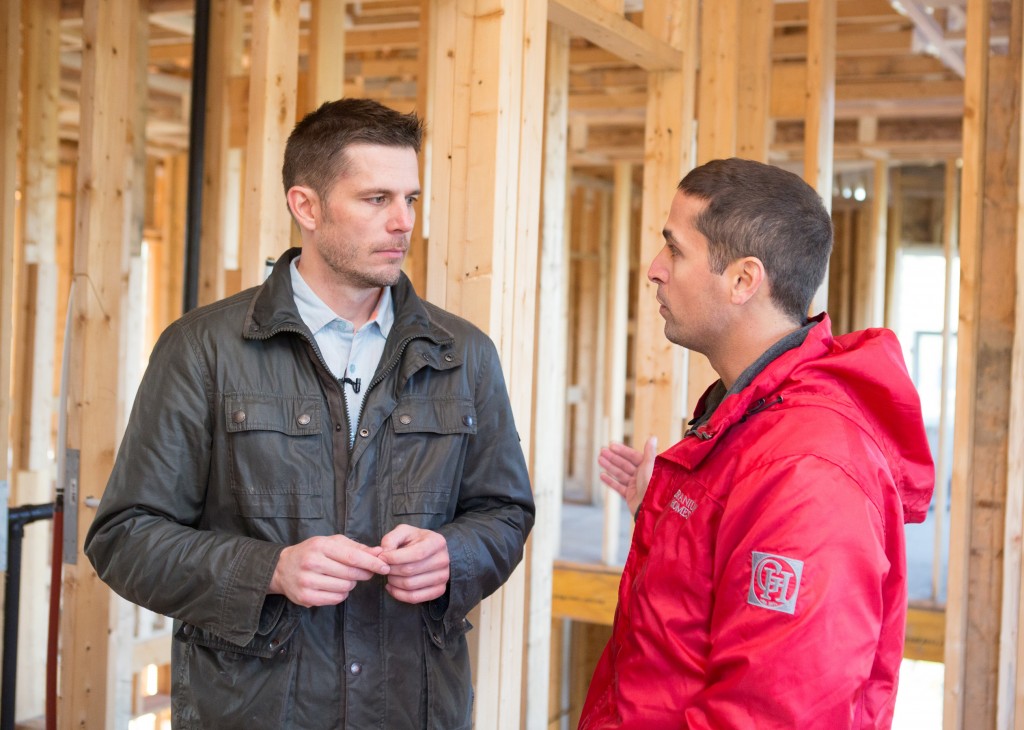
861	375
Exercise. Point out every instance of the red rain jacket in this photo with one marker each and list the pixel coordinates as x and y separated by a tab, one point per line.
766	583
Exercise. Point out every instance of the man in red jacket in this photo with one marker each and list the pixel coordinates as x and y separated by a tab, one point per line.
766	583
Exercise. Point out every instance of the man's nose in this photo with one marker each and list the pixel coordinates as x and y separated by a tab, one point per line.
403	216
656	271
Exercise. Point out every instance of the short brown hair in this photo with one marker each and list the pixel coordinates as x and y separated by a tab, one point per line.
315	152
759	210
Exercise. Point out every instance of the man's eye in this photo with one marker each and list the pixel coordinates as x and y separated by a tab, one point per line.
378	199
411	200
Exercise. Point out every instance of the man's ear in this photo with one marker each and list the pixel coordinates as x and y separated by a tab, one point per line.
746	277
304	204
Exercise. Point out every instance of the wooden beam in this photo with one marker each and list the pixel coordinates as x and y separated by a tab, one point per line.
933	34
37	294
549	391
895	43
984	568
618	337
10	79
224	24
416	258
614	33
326	52
668	154
820	114
488	61
101	246
790	14
754	90
719	80
584	592
870	263
266	223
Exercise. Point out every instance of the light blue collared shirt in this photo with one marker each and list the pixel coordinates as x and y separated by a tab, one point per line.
349	354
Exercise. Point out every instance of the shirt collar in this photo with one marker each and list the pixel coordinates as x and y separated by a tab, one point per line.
317	315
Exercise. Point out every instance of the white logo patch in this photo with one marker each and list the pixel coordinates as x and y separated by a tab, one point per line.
682	505
774	582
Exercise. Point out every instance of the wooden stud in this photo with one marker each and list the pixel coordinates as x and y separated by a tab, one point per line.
266	223
1015	429
869	288
326	52
10	77
668	145
719	80
950	246
618	337
819	124
983	569
101	249
754	79
484	221
959	608
1009	71
215	153
549	398
39	196
416	259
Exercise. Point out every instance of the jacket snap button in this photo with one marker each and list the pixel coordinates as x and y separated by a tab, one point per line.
364	432
304	419
238	416
188	629
405	419
273	643
449	357
355	668
468	420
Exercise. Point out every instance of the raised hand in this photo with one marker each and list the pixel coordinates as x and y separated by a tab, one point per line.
627	470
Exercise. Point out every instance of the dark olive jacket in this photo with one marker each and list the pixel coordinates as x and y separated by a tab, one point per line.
238	446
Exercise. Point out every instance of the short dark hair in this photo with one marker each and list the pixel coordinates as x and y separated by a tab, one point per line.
759	210
315	152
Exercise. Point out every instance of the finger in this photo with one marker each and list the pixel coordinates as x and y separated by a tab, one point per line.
628	453
620	475
319	598
427	551
421	580
614	484
398	537
345	552
421	595
436	561
646	468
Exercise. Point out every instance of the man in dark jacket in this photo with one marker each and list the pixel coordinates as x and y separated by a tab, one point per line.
321	475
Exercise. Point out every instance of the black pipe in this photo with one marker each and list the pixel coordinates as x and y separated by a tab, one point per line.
196	148
17	518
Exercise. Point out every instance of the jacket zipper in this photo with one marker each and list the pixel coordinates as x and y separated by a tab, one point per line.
386	371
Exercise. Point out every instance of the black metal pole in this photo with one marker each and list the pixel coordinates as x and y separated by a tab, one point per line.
196	148
17	518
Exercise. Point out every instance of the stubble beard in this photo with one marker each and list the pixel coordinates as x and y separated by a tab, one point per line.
343	264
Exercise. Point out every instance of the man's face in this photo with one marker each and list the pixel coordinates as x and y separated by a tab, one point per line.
693	299
368	214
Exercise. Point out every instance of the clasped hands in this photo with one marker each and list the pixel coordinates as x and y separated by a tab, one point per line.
323	570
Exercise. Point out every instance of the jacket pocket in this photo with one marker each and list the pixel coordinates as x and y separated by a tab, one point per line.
449	696
275	446
227	686
430	439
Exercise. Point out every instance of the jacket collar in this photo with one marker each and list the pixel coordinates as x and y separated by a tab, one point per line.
273	311
760	394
